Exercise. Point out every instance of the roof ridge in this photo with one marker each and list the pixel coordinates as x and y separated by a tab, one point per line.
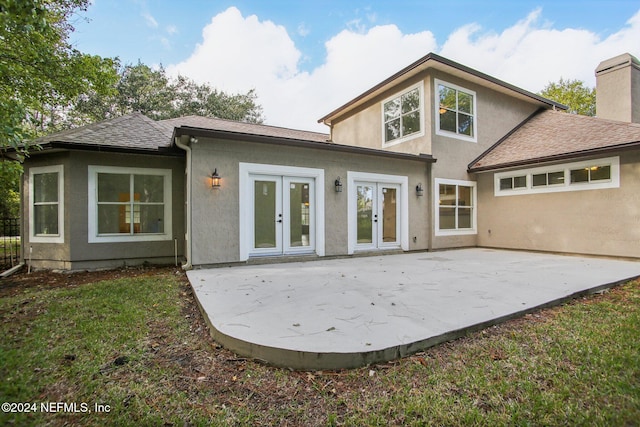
552	135
243	123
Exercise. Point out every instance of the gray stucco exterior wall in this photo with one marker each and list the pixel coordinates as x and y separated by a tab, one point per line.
216	212
593	222
76	253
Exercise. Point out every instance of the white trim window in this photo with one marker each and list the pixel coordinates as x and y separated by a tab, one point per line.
402	117
576	176
456	111
46	204
455	207
129	204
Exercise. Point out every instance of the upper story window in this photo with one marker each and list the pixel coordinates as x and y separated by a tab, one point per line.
456	111
46	197
402	116
576	176
127	204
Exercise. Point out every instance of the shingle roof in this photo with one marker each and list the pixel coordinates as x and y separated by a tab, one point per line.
134	131
553	135
210	123
137	132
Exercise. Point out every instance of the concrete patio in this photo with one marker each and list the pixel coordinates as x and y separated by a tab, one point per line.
350	312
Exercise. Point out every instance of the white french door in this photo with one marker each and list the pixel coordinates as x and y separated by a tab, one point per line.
378	215
283	215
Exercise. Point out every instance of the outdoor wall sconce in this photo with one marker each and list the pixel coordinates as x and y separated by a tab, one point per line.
338	184
419	190
215	179
193	139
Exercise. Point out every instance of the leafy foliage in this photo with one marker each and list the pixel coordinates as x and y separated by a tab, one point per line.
156	95
573	93
9	189
40	70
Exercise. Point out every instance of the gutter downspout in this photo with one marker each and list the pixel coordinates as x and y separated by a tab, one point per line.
187	237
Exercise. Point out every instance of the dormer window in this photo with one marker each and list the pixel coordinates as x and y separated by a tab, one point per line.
402	116
456	111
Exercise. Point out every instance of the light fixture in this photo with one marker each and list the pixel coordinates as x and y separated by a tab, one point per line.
419	189
215	179
338	184
193	139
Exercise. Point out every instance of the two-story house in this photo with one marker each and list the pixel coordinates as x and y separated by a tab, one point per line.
436	156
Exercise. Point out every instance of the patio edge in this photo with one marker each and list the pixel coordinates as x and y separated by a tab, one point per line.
312	361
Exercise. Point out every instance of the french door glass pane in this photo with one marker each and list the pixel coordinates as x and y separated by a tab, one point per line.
299	206
389	229
365	214
264	214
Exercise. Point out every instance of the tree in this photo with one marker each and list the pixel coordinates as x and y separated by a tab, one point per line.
39	70
40	73
156	95
574	94
9	189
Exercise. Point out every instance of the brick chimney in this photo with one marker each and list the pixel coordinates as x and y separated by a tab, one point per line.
618	89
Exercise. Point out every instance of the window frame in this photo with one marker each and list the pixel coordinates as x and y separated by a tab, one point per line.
567	185
420	87
436	98
474	207
94	237
46	238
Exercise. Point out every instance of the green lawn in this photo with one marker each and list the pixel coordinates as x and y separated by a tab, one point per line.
138	345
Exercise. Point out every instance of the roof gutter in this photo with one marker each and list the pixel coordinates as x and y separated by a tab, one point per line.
301	143
187	237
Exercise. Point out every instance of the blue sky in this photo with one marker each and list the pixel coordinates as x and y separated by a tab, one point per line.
319	54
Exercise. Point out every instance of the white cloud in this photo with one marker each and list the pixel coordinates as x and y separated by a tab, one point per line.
530	54
171	29
240	53
303	30
150	20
